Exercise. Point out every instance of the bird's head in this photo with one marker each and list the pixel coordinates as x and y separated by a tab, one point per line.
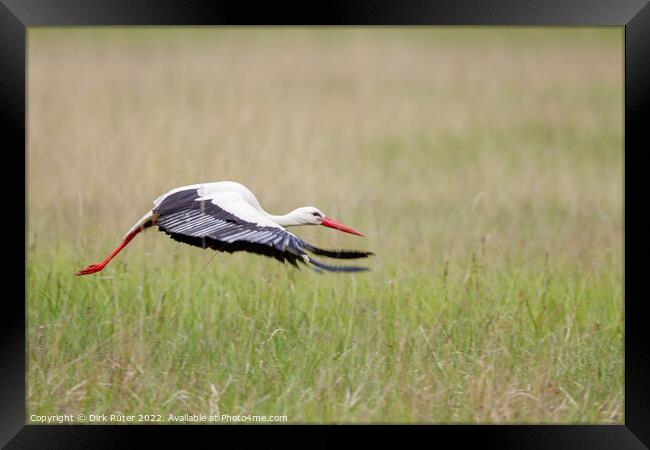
308	215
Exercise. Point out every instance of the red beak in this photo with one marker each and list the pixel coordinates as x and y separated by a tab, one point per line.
331	223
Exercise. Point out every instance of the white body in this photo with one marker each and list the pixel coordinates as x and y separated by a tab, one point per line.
238	200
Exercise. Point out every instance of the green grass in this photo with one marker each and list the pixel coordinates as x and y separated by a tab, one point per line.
467	345
485	170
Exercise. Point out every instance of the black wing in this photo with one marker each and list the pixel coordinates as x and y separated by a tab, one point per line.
203	223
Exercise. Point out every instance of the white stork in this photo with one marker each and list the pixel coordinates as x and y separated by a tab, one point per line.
226	216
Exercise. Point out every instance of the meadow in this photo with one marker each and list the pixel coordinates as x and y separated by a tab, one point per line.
484	165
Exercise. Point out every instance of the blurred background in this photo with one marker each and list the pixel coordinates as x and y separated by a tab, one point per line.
466	156
436	136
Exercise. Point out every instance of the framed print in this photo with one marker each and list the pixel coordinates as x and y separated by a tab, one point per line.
416	219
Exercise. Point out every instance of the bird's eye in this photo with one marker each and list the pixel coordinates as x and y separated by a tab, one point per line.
315	214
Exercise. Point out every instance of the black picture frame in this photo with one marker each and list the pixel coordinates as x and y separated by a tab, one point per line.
16	15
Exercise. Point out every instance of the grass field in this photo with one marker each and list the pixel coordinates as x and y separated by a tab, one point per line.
484	165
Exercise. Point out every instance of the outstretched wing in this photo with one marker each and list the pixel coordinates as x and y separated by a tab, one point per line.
226	222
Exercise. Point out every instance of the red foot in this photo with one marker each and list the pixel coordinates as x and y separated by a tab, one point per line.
99	266
90	269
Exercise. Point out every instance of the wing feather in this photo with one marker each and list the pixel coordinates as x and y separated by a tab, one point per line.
225	221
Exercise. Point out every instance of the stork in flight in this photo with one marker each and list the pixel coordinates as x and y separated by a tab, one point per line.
226	216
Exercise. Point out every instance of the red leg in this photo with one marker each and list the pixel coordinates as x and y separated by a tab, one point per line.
99	266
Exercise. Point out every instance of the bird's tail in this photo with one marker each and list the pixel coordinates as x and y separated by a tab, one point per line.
143	222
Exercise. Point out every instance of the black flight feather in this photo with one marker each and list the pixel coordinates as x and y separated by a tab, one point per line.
206	225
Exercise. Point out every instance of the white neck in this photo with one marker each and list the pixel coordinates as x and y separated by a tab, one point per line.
288	220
